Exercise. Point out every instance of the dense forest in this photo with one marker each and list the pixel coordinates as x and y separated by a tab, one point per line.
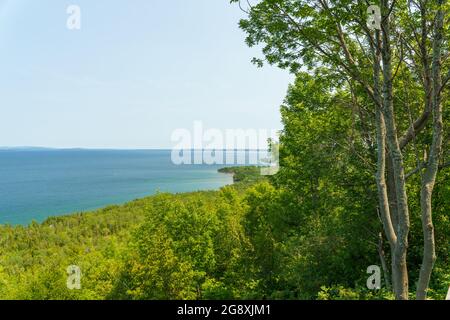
255	239
364	180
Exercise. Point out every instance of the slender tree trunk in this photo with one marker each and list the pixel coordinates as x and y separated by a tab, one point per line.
432	166
392	195
399	266
383	200
384	205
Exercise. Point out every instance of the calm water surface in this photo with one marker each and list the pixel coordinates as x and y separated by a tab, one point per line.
37	184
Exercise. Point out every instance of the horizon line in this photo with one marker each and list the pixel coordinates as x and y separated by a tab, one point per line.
37	148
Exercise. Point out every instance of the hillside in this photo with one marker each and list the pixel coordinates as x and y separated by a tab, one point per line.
251	240
34	259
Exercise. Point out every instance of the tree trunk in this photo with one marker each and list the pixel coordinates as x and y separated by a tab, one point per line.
392	195
432	167
399	266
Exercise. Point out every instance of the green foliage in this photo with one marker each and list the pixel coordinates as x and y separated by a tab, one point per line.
341	293
248	174
189	247
328	142
34	259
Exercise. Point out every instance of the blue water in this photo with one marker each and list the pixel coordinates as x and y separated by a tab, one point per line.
37	184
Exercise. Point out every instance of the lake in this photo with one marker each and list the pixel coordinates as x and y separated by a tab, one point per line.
36	184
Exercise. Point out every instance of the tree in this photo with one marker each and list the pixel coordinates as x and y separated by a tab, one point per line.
408	54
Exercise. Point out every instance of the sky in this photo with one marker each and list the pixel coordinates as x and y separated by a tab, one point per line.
135	72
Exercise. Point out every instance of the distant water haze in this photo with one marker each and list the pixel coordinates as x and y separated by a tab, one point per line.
38	183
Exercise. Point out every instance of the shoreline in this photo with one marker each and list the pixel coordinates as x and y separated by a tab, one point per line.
231	171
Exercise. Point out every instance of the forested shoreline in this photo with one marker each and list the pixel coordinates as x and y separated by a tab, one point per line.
362	183
251	240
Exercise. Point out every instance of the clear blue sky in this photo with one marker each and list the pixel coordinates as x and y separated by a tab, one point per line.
136	71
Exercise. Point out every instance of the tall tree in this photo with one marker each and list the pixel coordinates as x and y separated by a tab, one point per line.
409	51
